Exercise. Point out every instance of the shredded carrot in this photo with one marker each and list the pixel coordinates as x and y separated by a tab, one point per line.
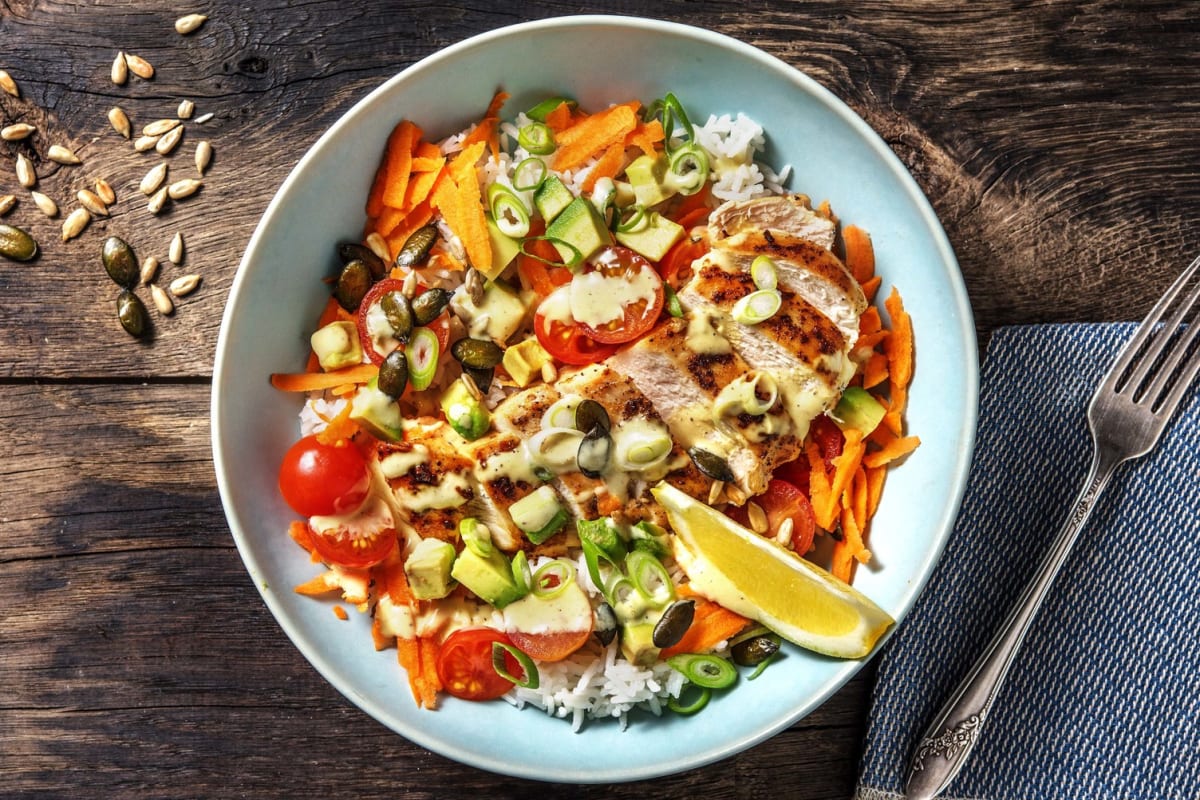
302	535
340	613
340	428
899	350
420	185
488	129
826	210
588	137
560	118
320	381
857	498
869	322
387	221
842	566
408	653
607	167
427	157
875	479
824	502
693	203
844	467
430	684
399	162
860	253
457	197
317	586
711	625
871	286
380	641
645	136
897	448
418	218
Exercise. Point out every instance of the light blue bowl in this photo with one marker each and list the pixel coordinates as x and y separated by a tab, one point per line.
277	295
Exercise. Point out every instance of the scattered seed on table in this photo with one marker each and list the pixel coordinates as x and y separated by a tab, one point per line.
176	249
92	202
131	311
119	262
140	66
203	156
153	179
8	84
162	300
7	202
75	222
62	155
203	118
186	24
149	270
120	70
16	244
184	188
184	285
160	126
105	191
168	141
26	175
186	107
45	204
120	121
17	132
144	143
157	201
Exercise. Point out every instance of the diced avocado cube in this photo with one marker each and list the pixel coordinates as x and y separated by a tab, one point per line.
578	230
504	250
653	238
524	361
647	174
538	514
551	198
489	577
377	413
337	345
468	416
637	643
428	569
858	409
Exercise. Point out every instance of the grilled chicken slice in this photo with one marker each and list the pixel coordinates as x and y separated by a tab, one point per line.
502	475
790	215
429	477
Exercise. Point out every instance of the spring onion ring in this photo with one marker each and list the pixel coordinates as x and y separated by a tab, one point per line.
703	695
529	174
510	214
702	669
537	138
553	578
757	306
530	681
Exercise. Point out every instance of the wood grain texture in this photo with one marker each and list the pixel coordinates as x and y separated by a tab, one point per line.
1056	140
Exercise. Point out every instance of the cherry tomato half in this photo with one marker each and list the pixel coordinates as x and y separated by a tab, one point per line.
321	479
783	500
829	440
356	553
370	302
554	646
641	314
566	341
464	664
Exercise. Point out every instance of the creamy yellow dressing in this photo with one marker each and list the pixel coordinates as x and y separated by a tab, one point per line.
372	516
597	299
450	492
703	336
399	463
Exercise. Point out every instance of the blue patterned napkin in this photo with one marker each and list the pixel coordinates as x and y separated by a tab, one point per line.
1103	702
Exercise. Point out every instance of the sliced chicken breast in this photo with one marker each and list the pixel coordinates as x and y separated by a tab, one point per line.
790	215
429	477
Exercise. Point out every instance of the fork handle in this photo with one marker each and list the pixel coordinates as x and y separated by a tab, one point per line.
948	742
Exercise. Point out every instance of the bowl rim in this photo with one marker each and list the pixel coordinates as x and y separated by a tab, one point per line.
959	298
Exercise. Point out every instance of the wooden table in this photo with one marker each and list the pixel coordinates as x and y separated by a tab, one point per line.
1057	141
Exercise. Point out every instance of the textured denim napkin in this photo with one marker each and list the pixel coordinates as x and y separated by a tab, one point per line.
1103	702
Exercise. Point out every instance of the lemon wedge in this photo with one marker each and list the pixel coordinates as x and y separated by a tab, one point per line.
759	579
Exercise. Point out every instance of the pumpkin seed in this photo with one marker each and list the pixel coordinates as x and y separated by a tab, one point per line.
7	201
132	313
45	204
203	156
148	271
379	246
203	118
62	155
105	192
393	374
416	247
168	141
352	285
605	625
184	285
140	66
755	650
153	179
711	464
16	244
120	121
17	132
157	201
186	24
144	143
186	107
162	300
429	304
477	353
399	315
119	262
8	84
160	126
481	377
184	188
594	452
120	70
175	252
75	222
26	175
348	251
92	202
673	624
590	415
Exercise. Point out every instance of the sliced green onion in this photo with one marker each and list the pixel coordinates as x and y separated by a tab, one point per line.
624	597
764	274
703	669
553	578
650	577
576	257
530	681
757	306
561	413
673	306
543	109
510	214
649	537
422	355
476	536
703	695
521	572
599	540
673	116
550	528
633	219
529	174
536	510
543	474
762	665
688	169
537	138
604	195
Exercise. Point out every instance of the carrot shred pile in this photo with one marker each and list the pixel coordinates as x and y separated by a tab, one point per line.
594	134
711	625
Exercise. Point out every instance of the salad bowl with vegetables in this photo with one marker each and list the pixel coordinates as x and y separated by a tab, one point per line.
594	403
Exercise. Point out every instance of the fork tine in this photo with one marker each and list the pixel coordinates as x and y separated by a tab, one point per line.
1185	375
1146	334
1183	342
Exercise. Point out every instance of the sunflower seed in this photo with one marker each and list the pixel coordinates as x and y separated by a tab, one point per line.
62	155
92	202
149	270
157	201
474	285
75	222
153	179
144	143
187	24
7	201
167	143
176	249
140	67
120	70
160	126
14	133
714	492
379	246
203	156
105	191
47	206
119	121
471	386
757	517
184	188
549	373
184	285
162	300
8	84
186	107
203	118
409	287
26	175
784	535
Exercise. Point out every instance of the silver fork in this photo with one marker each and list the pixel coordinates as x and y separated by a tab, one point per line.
1126	417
